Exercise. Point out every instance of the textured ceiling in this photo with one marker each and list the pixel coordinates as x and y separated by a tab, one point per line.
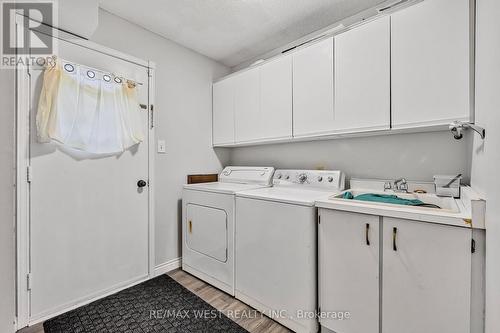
234	31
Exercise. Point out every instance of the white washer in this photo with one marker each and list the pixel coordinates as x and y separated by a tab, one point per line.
208	223
276	245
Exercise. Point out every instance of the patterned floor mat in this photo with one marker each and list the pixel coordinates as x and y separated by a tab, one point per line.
157	305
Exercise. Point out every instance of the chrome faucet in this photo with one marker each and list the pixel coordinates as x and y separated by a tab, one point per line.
401	185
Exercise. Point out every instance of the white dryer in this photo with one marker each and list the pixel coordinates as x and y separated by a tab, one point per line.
276	246
208	223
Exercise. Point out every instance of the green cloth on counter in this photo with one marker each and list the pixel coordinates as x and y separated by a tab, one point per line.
386	198
347	195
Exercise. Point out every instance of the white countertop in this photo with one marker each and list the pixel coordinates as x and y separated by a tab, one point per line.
461	217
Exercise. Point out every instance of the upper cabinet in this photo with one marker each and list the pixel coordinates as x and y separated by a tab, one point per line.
412	69
223	112
254	105
431	63
313	89
362	78
247	115
276	98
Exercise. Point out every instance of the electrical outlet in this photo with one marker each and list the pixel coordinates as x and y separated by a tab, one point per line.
162	148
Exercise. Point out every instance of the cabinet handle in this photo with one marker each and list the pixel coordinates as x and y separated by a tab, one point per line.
394	236
367	234
190	226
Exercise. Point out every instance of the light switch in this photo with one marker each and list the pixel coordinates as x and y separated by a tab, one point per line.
162	147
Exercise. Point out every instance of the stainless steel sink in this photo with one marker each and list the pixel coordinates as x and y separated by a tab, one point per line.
445	204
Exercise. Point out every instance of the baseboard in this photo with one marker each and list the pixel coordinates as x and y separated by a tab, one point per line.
159	270
167	266
54	312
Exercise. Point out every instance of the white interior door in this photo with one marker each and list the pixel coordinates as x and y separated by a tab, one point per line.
89	231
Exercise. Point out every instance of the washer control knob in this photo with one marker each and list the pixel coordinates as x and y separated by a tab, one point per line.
278	176
320	179
330	179
302	178
287	177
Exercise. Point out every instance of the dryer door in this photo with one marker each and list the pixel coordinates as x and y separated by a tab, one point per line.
207	231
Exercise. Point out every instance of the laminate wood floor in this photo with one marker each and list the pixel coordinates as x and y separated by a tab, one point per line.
230	306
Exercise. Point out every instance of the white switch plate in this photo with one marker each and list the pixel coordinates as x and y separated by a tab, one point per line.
162	146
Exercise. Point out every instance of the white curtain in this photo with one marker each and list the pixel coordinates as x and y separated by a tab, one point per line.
87	110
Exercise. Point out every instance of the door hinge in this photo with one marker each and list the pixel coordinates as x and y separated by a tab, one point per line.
150	72
28	281
473	246
152	116
29	174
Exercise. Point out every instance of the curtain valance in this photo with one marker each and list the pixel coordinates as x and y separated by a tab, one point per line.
85	109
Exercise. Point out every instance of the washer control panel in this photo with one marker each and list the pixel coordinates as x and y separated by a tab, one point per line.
333	179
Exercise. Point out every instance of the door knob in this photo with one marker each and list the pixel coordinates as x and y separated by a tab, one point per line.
141	183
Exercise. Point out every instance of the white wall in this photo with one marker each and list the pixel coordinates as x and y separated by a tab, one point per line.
78	17
414	156
75	16
486	155
7	195
183	111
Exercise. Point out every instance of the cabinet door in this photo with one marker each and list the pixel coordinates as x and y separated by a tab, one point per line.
426	278
431	63
223	112
247	105
276	98
313	89
362	77
349	270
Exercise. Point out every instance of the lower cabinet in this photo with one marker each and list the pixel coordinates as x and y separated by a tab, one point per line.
412	276
426	277
349	270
